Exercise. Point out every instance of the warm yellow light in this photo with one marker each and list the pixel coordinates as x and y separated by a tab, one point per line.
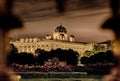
116	48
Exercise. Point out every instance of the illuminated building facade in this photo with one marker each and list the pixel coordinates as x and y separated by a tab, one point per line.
59	39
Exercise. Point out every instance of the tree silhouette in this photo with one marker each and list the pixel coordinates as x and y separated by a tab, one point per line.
26	58
100	57
13	56
70	56
84	60
42	56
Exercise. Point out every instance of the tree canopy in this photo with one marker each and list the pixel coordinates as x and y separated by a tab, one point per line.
70	56
100	57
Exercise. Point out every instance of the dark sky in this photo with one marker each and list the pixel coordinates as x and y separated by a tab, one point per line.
83	22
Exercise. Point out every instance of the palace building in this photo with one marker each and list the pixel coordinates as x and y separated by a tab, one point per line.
59	39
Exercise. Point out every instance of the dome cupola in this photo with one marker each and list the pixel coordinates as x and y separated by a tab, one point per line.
61	29
60	33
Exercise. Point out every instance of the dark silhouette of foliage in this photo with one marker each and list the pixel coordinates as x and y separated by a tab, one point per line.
101	57
19	58
26	58
13	56
84	60
42	55
70	56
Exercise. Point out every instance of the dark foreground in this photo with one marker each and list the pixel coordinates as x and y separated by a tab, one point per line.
58	76
71	79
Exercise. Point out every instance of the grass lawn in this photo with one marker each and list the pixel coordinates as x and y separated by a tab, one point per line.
71	79
53	76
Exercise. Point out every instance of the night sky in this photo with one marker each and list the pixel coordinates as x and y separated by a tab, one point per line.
84	24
